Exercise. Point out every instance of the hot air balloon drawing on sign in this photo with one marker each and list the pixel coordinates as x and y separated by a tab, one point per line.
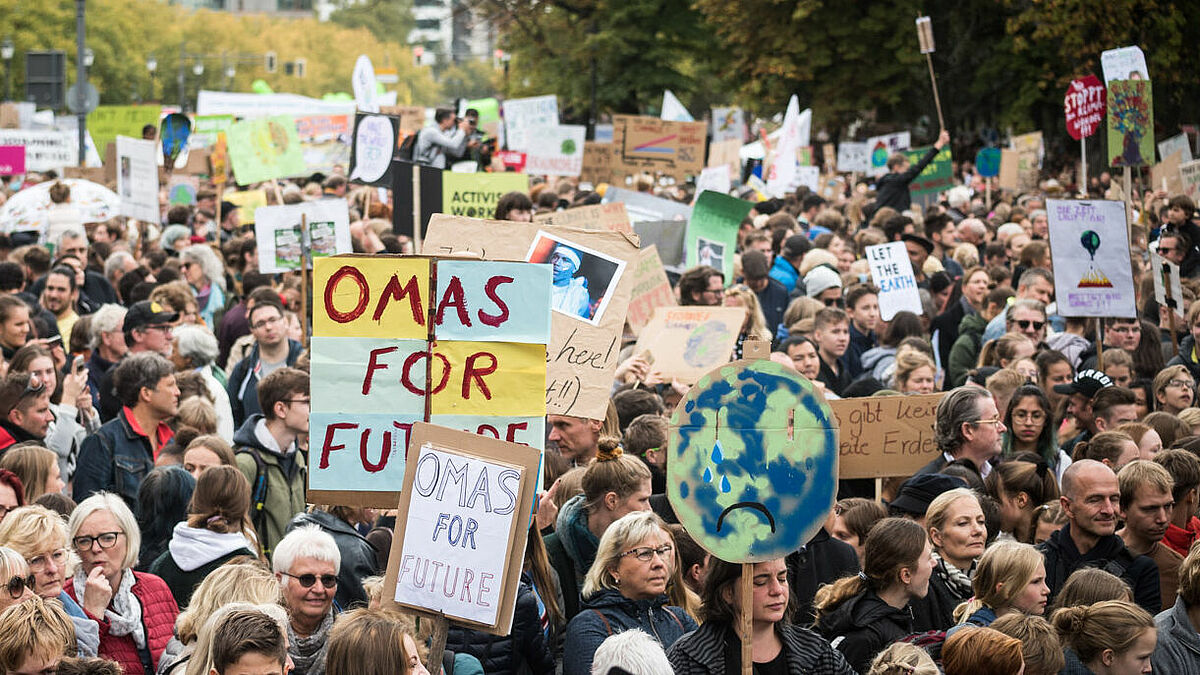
1094	277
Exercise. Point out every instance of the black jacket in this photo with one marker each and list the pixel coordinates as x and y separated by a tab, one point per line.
523	650
863	626
243	382
837	382
1110	555
945	326
712	649
1184	358
359	557
823	560
935	611
892	188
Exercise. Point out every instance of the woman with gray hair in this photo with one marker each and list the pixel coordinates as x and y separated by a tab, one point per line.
196	349
626	588
205	273
306	563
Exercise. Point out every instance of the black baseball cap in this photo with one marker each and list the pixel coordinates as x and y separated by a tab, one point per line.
918	492
146	313
1086	382
925	243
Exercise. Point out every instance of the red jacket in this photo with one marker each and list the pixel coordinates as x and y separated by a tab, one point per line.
1179	539
158	618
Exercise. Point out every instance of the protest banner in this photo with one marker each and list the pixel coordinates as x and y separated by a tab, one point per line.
658	146
882	147
752	461
264	148
366	91
248	105
107	122
832	187
885	436
1167	289
1124	63
987	162
667	237
459	543
937	176
728	124
684	343
1009	177
1174	144
324	142
715	178
1084	106
673	110
854	157
556	151
280	238
892	273
475	195
526	117
712	231
10	116
650	290
583	351
374	145
399	340
12	160
1089	246
412	117
218	161
182	189
643	207
248	201
137	178
598	164
512	160
1189	179
611	216
1130	123
44	150
1165	174
1030	151
726	153
206	129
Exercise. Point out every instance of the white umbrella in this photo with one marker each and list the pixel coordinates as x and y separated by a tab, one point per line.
29	209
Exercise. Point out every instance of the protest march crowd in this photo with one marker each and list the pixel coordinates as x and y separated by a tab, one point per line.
155	451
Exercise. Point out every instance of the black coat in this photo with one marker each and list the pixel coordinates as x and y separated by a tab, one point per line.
711	649
1110	555
523	649
863	626
935	611
823	560
892	188
359	557
945	325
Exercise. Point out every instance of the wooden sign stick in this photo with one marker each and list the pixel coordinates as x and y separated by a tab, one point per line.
751	349
304	263
1100	343
437	642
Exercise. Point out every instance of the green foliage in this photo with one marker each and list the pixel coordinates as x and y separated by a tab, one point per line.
469	79
388	20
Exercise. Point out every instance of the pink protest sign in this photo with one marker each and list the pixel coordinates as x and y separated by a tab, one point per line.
1084	106
12	160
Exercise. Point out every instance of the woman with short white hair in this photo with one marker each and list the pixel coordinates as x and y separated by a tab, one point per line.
196	348
306	562
205	273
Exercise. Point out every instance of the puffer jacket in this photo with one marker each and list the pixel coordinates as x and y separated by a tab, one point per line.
1178	648
158	619
607	613
359	557
571	549
964	354
523	650
862	626
712	649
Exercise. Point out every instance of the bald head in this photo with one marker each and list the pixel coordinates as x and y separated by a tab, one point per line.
1083	473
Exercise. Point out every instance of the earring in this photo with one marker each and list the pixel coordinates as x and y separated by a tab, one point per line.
616	581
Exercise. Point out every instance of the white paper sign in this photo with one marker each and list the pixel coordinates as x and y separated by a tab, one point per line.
1089	246
1173	145
728	124
1189	175
365	90
556	151
673	110
373	143
854	157
879	148
44	150
522	115
250	106
279	236
782	178
137	178
1123	64
809	176
715	178
892	273
1166	275
456	535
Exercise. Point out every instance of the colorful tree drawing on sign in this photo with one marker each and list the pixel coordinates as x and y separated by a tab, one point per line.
1094	277
1130	123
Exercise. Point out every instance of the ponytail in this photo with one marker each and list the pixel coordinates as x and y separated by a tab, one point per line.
892	545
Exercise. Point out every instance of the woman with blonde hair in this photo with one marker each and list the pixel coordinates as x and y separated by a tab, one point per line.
958	531
205	452
626	588
915	373
209	639
903	658
1006	349
1107	638
1011	577
754	327
14	578
372	642
1147	439
37	467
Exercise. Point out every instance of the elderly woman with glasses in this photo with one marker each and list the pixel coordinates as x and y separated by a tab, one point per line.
203	271
626	588
306	563
15	578
135	612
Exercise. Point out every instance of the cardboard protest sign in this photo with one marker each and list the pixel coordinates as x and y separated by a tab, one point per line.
556	151
715	178
658	146
667	237
937	176
599	160
728	124
207	128
524	118
1124	63
12	160
412	117
374	144
686	342
832	187
1089	246
250	105
892	274
1174	144
218	161
1165	174
475	194
854	157
248	201
324	141
173	134
264	148
611	216
403	339
1189	179
726	153
1030	152
459	543
1167	289
107	122
752	461
44	150
137	178
1009	176
583	353
882	147
279	235
1130	123
406	192
885	436
366	91
1084	106
651	289
712	231
182	189
643	207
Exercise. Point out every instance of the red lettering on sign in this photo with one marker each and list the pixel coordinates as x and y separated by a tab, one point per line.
412	359
454	297
363	290
328	446
373	365
489	288
489	430
474	372
394	291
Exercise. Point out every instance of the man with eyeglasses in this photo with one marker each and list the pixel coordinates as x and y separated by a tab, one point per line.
24	410
968	426
1119	333
306	563
147	328
272	350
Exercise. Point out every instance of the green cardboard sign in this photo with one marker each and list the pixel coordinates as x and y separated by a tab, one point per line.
107	122
475	194
712	231
937	176
265	148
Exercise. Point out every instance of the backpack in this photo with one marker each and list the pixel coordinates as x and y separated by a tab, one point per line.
258	492
408	147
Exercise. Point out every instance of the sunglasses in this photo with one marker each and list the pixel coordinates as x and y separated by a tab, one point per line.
833	302
307	580
1026	323
17	585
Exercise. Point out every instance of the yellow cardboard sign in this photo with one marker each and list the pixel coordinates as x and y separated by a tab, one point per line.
487	378
372	297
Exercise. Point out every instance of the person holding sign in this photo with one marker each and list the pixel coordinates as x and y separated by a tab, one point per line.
626	588
892	188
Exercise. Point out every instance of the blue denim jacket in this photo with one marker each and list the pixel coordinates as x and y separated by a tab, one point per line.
114	459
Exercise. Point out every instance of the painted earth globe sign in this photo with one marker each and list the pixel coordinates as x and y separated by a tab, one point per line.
753	460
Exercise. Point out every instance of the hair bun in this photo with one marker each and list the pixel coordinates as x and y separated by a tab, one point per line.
608	449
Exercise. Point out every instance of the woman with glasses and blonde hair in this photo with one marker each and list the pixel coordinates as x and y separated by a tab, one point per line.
1174	389
135	611
626	588
754	327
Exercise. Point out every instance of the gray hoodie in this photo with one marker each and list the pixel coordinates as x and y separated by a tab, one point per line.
1178	648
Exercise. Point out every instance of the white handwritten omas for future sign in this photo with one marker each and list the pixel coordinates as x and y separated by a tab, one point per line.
456	536
1089	245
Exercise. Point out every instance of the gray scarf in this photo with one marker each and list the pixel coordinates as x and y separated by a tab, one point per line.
308	653
958	580
124	613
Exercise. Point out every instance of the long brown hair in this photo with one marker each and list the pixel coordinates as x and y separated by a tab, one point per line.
892	545
221	503
537	562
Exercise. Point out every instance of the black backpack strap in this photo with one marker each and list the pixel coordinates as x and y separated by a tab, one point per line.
258	492
447	662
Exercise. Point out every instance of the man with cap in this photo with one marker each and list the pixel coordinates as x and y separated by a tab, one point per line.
824	284
1082	389
231	220
570	293
968	426
918	492
919	249
786	269
24	410
772	296
147	328
891	189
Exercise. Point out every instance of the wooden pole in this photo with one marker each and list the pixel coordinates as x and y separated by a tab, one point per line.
366	214
278	191
437	644
217	225
937	101
878	489
1100	343
1083	176
987	187
416	191
746	618
1174	338
1129	199
304	262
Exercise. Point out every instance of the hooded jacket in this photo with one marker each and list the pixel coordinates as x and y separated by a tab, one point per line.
191	554
607	613
879	362
862	626
1178	648
283	475
1071	346
243	382
965	351
359	557
707	651
571	549
1184	357
1110	555
524	649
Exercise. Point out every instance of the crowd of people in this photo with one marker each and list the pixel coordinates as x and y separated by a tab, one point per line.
154	412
